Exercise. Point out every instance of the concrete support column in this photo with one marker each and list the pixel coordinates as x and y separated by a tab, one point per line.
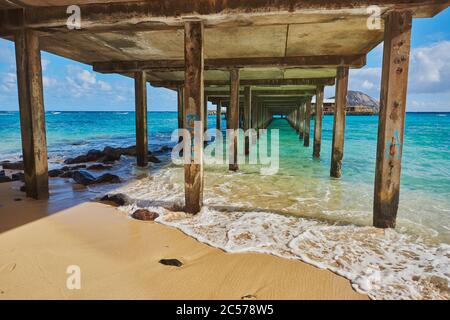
318	122
140	89
219	115
307	122
194	106
391	123
234	118
302	119
337	153
32	114
247	113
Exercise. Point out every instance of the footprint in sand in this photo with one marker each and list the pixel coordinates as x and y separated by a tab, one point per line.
9	267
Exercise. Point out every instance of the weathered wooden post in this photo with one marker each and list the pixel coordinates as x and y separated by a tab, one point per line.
391	123
234	118
219	115
247	113
32	113
140	89
228	116
302	119
194	105
205	112
318	122
307	122
339	122
181	109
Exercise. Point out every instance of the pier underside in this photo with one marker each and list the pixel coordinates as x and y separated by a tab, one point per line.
257	58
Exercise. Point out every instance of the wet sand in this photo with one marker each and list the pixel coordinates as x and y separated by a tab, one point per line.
119	258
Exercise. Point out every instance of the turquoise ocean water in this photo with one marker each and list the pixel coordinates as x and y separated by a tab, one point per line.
300	212
425	166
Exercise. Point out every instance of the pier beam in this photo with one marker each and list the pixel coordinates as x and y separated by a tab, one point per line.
337	153
394	80
247	113
234	119
32	114
318	122
307	122
140	89
194	106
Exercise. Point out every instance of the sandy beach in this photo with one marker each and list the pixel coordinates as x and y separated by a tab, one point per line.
119	259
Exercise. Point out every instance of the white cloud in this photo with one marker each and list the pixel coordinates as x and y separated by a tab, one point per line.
366	80
429	73
430	69
84	82
8	82
49	82
105	86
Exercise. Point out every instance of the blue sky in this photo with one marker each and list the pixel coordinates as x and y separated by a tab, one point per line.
70	85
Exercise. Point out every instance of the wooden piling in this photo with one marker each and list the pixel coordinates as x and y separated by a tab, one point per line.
180	108
302	120
307	122
194	105
32	113
394	81
234	118
339	122
318	122
247	113
219	115
205	112
140	90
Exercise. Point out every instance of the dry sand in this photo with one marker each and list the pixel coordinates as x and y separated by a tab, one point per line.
118	257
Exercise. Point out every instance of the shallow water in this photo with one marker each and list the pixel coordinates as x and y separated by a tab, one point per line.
300	212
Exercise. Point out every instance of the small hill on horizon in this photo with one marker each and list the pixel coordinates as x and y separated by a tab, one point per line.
360	100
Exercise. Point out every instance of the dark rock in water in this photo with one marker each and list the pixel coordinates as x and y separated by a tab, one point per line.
17	199
99	167
67	174
118	199
92	155
83	177
95	154
153	159
71	168
111	154
171	262
23	188
2	173
80	166
5	179
55	173
18	176
106	178
164	149
12	165
129	151
79	159
145	215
